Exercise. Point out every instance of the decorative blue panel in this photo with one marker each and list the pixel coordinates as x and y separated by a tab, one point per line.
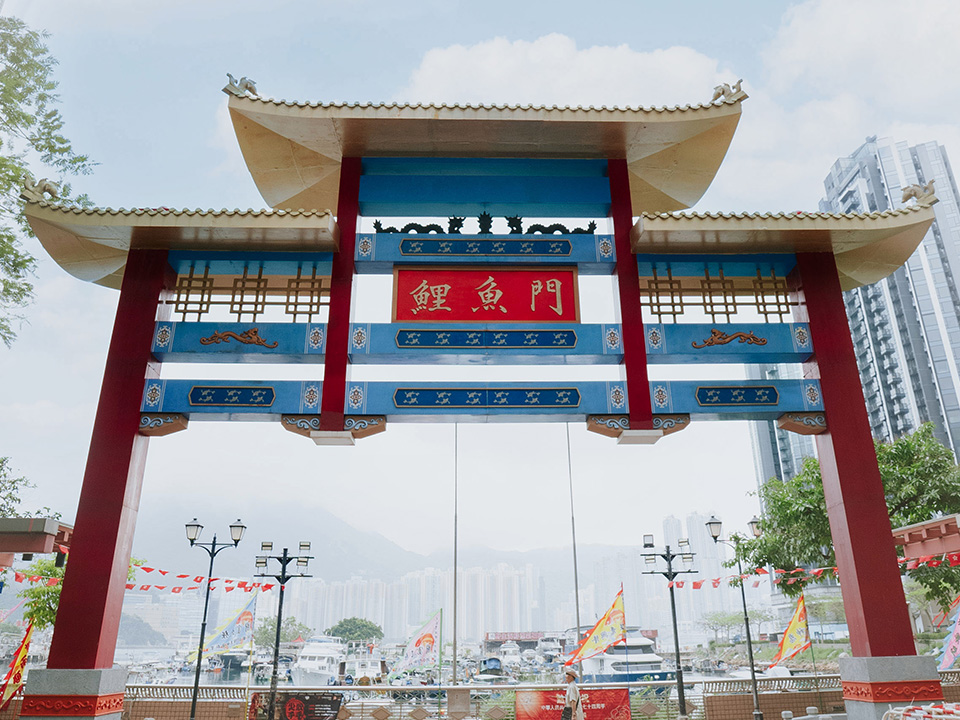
379	252
682	343
212	342
733	266
547	344
232	400
736	399
234	263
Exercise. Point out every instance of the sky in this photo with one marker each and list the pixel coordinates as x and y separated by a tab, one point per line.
140	92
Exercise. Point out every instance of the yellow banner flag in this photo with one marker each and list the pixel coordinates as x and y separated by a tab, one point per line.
14	679
610	630
796	638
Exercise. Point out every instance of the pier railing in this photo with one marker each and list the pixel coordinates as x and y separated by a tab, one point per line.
720	699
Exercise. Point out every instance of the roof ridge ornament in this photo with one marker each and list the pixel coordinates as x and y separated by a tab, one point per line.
33	190
923	194
241	87
729	94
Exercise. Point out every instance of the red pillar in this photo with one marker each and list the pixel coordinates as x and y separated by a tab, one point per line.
628	281
89	615
873	596
341	295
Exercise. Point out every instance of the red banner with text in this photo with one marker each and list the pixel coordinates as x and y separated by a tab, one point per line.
600	704
485	295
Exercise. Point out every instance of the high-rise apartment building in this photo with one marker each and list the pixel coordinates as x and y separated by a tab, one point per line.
906	328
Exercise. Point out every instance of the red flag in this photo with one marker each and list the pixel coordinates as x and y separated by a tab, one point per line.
756	583
35	578
130	586
678	583
163	572
19	576
762	571
953	559
144	587
160	587
146	569
716	582
64	549
176	589
697	584
267	586
199	579
52	581
183	576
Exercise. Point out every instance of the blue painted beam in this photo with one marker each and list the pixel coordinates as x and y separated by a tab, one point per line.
733	266
683	344
480	344
736	399
379	252
234	263
479	402
418	187
229	342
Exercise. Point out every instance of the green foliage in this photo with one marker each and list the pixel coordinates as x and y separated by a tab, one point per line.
266	633
10	489
921	481
356	630
721	623
31	134
43	600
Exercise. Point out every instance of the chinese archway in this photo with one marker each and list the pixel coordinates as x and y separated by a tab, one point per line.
277	285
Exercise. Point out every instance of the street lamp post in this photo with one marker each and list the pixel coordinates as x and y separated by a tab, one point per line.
650	558
212	548
282	577
715	527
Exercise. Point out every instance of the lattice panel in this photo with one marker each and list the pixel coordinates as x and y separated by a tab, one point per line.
249	296
669	298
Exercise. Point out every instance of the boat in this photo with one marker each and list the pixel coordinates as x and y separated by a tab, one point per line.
319	661
510	654
632	661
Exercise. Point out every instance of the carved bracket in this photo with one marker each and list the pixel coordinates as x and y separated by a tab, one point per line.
618	426
154	425
609	425
354	426
669	424
803	423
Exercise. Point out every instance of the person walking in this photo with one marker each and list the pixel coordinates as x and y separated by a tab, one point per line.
573	695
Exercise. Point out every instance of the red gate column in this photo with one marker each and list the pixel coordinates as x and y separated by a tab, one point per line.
80	672
884	668
338	322
631	320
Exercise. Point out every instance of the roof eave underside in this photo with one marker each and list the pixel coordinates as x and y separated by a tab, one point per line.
92	244
293	152
867	248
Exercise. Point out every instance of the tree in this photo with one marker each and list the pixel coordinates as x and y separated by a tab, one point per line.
10	489
138	632
721	622
30	135
43	599
356	630
921	481
266	633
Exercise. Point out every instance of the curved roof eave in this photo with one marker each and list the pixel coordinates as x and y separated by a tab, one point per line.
92	243
867	247
293	150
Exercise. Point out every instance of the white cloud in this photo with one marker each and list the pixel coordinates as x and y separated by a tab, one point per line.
901	57
552	70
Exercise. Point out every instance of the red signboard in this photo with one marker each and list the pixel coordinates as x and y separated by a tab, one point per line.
504	636
599	704
485	295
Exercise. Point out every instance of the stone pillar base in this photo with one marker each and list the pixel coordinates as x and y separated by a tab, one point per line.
74	694
872	685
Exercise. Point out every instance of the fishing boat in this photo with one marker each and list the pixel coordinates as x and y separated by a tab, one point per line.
319	661
632	661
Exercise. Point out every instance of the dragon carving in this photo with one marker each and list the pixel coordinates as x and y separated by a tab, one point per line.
718	337
248	337
923	194
33	190
727	93
241	87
